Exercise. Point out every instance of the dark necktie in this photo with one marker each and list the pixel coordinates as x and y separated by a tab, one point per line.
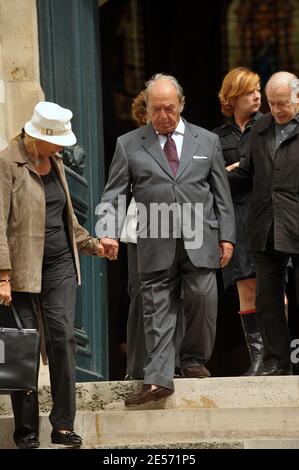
171	153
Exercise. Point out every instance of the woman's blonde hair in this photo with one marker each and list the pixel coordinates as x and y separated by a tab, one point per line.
237	82
29	141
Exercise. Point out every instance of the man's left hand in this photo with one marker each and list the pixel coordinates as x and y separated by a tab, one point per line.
226	251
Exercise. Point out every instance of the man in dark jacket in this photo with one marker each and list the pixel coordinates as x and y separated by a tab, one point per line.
272	167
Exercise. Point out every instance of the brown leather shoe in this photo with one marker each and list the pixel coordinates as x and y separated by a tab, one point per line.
146	394
196	372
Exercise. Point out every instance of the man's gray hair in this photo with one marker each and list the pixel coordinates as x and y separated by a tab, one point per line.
169	78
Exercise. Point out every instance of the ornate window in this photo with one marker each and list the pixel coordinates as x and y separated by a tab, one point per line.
129	60
262	35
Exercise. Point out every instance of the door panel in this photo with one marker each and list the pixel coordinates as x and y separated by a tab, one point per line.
70	75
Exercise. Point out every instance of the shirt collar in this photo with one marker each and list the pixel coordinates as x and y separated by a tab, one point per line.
294	120
231	121
180	128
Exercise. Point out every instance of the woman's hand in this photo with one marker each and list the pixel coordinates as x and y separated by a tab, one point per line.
232	167
5	291
100	251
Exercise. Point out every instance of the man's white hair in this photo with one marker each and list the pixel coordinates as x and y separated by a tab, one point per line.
281	78
162	76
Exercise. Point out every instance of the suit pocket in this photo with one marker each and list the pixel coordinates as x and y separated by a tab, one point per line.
213	223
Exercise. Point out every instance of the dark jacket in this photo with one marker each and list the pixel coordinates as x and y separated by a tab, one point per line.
234	145
274	177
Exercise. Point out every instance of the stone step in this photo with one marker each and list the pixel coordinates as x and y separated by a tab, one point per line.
215	444
207	444
226	410
215	392
166	426
271	444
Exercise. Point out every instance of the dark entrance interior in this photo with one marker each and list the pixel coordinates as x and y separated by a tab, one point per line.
188	40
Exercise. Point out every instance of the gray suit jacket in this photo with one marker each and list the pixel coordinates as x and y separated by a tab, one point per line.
139	165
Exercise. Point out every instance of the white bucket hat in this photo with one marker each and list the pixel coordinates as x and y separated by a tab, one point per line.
52	123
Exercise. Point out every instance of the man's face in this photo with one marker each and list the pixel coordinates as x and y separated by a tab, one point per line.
281	106
164	107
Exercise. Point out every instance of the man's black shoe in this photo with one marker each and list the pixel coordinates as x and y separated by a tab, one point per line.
131	377
28	442
196	372
147	394
68	438
177	373
276	371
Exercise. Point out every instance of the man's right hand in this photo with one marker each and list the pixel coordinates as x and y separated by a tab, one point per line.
226	252
110	248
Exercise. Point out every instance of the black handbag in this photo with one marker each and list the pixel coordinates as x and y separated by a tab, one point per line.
19	357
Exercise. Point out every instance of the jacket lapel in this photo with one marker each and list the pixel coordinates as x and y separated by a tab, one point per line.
21	157
270	143
150	142
190	144
55	163
268	130
293	134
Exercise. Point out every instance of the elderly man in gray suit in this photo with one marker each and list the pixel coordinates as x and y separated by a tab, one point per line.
186	230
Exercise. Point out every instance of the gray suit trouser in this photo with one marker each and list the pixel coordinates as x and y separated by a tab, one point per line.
136	345
161	294
136	349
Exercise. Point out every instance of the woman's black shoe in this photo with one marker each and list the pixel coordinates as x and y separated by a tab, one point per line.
68	438
28	442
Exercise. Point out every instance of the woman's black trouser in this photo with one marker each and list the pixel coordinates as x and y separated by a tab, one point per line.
57	301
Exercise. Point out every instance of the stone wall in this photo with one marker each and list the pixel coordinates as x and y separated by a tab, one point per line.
20	87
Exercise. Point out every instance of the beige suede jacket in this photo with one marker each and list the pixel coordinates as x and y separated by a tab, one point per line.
22	219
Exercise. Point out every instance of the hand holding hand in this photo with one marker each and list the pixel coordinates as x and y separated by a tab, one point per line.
100	251
110	248
226	252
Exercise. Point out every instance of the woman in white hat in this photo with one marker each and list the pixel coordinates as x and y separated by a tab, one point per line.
39	265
